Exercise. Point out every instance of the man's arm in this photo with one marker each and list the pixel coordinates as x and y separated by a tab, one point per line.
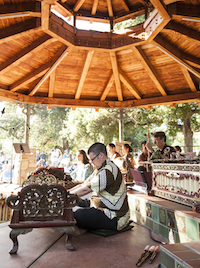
80	190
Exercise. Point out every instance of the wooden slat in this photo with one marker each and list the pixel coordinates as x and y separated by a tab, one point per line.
150	70
129	84
19	29
107	87
52	84
183	29
78	5
94	7
45	9
143	2
189	79
60	55
167	49
110	9
20	8
24	54
84	73
161	9
116	75
125	6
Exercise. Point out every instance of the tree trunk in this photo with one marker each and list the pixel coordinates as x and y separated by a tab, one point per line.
27	122
65	144
188	135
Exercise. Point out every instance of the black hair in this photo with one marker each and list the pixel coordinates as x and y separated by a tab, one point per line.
160	135
178	148
128	147
143	142
111	145
97	148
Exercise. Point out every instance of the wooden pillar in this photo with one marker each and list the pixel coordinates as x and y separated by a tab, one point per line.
121	125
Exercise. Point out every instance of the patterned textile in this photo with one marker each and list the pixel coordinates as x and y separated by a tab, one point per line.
109	193
128	164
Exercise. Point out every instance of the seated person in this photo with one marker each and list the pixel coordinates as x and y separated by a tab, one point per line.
7	173
164	151
143	157
84	168
129	162
108	204
113	153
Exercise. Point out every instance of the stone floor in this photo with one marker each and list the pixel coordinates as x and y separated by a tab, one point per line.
43	248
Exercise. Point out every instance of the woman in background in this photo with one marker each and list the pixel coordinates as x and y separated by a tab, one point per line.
129	162
84	168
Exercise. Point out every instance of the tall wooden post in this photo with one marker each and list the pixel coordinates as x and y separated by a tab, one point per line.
27	122
121	125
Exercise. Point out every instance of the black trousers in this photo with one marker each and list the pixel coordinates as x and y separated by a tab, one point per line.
92	218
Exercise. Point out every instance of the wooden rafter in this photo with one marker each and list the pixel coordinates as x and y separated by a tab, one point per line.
189	79
107	87
78	5
24	54
110	9
45	9
143	2
20	9
183	29
18	30
84	73
94	7
150	70
60	55
161	9
124	4
168	50
129	84
52	84
116	75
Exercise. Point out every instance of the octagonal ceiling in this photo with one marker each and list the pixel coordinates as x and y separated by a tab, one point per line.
45	60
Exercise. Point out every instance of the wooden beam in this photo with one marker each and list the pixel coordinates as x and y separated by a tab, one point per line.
52	84
129	84
78	5
19	29
149	69
84	73
94	7
125	6
24	54
184	30
110	9
45	10
161	9
182	11
165	48
31	8
107	87
189	79
33	75
60	55
143	2
116	75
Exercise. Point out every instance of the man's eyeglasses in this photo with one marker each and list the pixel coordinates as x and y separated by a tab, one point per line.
91	160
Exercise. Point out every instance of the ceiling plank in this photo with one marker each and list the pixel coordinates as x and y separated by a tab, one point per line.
189	79
161	9
45	10
129	84
60	55
143	2
84	73
52	84
165	47
94	7
20	8
110	9
116	75
183	29
20	29
149	69
78	5
25	53
107	87
125	6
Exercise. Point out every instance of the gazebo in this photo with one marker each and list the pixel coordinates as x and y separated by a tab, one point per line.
45	60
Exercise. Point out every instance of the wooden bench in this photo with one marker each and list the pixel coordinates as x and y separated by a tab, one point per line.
40	206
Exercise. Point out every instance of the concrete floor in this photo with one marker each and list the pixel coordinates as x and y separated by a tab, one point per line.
43	248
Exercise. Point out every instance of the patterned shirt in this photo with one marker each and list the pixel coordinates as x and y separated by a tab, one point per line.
109	192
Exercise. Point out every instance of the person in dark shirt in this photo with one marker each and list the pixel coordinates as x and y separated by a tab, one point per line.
159	139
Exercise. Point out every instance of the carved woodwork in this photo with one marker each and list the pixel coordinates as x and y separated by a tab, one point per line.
40	206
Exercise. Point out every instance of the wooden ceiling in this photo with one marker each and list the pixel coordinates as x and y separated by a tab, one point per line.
44	60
